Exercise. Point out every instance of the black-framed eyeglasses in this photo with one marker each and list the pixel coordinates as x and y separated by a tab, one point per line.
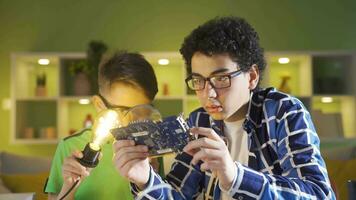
108	105
197	82
138	110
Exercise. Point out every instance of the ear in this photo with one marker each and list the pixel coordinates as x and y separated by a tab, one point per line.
254	75
98	103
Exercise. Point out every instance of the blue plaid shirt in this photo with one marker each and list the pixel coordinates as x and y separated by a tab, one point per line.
284	157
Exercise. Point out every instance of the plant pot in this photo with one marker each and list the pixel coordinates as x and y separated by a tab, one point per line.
82	85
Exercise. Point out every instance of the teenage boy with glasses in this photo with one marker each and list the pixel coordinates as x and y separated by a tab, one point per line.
272	149
126	80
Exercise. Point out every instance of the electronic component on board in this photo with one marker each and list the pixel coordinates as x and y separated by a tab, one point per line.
163	137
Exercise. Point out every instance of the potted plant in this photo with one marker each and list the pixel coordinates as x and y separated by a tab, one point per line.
85	72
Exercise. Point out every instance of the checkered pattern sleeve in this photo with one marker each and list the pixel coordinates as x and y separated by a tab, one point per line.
303	174
184	180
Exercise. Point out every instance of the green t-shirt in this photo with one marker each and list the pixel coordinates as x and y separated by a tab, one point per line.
104	181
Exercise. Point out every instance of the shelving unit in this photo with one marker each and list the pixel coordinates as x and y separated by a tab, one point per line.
43	116
60	111
325	84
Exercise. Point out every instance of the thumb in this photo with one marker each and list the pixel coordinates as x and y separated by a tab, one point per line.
77	154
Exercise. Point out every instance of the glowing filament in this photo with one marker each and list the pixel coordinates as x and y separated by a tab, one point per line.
105	121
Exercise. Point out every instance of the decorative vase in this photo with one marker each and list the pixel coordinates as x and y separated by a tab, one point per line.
284	86
165	89
81	84
29	133
41	90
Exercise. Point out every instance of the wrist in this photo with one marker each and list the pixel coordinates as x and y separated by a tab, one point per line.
141	185
227	184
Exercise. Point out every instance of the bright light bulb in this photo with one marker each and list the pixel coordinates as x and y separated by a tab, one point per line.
327	100
105	121
163	61
84	101
43	61
283	60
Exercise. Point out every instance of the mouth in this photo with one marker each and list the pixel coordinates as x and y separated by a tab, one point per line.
213	109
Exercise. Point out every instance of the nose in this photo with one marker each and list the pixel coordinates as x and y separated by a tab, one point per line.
210	90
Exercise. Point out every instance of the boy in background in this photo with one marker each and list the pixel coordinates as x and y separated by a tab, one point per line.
125	80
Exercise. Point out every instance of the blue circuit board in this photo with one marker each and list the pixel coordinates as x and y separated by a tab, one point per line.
167	136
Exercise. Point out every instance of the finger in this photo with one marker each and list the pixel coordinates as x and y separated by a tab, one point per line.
73	163
77	154
117	158
207	154
132	149
70	170
212	165
73	172
123	160
75	178
207	132
118	144
70	178
202	143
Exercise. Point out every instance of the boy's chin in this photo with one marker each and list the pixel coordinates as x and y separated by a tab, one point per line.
217	116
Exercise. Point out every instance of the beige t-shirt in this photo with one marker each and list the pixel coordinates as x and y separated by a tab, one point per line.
237	144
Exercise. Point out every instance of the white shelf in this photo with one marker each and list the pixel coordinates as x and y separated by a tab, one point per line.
34	141
37	99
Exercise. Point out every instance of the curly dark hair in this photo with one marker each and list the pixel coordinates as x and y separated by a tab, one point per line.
231	35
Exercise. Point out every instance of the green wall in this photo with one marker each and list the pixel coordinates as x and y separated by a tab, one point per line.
159	25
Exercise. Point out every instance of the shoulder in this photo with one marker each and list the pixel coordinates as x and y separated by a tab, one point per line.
76	141
271	95
81	134
73	142
275	103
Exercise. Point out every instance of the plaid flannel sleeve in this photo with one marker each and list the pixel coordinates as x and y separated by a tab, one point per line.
184	181
304	175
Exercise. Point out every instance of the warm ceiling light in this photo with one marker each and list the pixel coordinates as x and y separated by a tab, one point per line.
84	101
43	61
163	61
283	60
326	99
